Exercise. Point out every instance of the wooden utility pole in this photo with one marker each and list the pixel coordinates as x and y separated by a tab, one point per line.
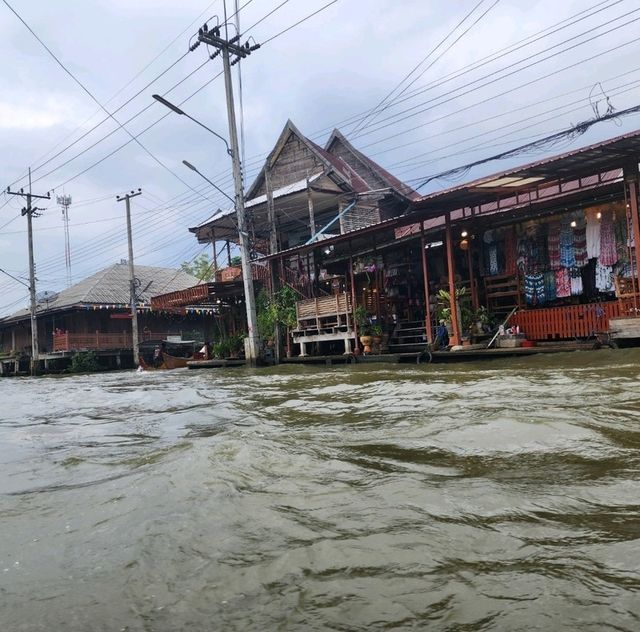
30	212
132	277
227	48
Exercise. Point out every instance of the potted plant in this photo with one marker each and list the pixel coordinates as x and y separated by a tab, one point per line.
376	333
364	327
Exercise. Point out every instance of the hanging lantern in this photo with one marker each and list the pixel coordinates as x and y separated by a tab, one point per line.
464	244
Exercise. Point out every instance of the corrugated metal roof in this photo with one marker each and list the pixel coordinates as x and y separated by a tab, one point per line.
111	287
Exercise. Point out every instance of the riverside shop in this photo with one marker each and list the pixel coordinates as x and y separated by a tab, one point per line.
550	246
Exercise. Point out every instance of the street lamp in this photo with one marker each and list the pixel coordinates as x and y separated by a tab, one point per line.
251	347
177	110
215	186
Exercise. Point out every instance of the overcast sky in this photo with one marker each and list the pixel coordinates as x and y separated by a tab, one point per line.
325	72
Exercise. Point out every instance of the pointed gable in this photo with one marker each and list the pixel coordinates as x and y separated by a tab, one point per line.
371	172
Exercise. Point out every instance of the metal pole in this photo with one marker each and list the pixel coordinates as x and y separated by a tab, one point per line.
32	287
251	349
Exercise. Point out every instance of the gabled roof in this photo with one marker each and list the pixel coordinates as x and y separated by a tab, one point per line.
331	162
383	174
111	287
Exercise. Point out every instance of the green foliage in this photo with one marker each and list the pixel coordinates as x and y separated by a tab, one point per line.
279	309
236	261
84	362
221	349
376	330
201	268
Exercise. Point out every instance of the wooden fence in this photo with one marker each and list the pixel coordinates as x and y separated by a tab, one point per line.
100	341
570	322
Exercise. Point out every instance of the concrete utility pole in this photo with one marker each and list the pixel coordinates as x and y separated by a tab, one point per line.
132	277
30	211
239	51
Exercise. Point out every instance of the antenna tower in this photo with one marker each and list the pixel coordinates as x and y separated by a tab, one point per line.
65	202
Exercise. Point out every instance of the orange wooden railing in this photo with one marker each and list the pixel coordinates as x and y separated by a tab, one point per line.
100	341
572	321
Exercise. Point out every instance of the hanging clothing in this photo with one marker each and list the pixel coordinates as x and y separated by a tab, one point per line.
553	245
622	237
550	286
563	283
534	289
593	232
491	252
567	256
589	279
580	240
576	281
608	253
510	251
604	278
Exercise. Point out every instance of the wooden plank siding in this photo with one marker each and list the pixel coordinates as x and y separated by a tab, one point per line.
99	341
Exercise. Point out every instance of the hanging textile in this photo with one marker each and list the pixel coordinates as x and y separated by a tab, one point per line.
593	233
580	240
553	245
589	279
604	278
550	285
491	251
534	289
576	281
608	252
535	247
563	283
621	235
510	251
567	257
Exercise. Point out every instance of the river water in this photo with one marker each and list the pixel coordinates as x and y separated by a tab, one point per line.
501	495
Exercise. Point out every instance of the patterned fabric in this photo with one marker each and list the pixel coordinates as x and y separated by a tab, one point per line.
553	245
493	259
563	283
608	252
604	278
567	256
510	251
622	236
580	241
576	281
550	285
534	289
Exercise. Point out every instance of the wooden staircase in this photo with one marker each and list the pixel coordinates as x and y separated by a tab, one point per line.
408	337
503	292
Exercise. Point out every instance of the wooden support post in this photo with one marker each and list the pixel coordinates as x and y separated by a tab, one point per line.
312	216
453	304
425	278
631	177
473	286
215	254
228	252
353	295
340	209
271	212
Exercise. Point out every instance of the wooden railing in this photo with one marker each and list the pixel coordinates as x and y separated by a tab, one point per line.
100	341
318	312
572	321
188	296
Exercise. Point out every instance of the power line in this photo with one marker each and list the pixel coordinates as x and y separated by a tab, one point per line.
387	100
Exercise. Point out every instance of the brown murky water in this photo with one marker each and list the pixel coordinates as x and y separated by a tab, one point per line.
494	496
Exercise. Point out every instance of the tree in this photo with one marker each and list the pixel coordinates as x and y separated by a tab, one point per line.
200	267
